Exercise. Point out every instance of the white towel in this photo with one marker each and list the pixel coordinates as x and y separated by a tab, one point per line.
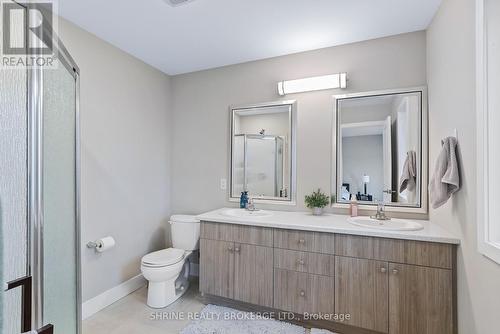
446	178
408	179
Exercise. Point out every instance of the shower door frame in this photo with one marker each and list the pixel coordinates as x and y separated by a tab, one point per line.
246	136
35	219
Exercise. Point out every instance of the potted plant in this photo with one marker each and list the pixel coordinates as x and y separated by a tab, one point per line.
316	202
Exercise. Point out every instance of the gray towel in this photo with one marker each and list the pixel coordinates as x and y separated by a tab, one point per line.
408	179
446	178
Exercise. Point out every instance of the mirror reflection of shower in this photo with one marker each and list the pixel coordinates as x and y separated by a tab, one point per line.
260	165
261	148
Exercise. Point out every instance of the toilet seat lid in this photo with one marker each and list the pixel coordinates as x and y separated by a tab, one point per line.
164	257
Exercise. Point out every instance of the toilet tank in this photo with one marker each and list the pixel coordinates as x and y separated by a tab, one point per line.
185	231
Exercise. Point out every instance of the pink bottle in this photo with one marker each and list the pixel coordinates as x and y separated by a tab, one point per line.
353	206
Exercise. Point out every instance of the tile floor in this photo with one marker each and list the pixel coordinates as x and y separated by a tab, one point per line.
131	315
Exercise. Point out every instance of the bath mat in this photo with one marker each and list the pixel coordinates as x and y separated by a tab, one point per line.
223	320
320	331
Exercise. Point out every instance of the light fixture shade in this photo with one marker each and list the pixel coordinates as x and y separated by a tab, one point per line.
330	81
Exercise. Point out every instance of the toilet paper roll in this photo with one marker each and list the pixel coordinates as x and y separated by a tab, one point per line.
104	244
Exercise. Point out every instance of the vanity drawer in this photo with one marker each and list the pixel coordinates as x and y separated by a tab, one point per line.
301	292
252	235
313	263
428	254
305	241
384	249
216	231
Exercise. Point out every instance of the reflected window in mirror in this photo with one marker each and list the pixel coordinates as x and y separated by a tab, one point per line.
262	151
379	148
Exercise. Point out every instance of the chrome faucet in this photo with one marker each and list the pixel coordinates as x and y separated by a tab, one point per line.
380	215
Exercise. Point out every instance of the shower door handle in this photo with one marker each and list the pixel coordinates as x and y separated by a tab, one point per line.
26	294
25	283
47	329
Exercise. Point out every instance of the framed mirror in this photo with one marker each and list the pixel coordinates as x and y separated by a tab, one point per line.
263	151
380	149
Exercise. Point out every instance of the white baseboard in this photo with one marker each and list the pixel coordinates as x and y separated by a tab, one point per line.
94	305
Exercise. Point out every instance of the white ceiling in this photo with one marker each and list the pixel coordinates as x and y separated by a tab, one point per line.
205	34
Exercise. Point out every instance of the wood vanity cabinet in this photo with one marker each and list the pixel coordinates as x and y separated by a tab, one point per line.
217	267
395	286
386	285
420	299
303	293
361	290
253	274
303	272
232	269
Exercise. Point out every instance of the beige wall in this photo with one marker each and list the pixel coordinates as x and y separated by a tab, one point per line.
125	141
450	58
201	116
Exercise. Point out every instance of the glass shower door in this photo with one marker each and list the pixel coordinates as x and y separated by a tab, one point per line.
260	167
60	267
13	191
39	194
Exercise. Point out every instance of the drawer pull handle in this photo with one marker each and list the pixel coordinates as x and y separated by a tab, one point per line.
383	270
395	271
301	262
302	241
302	293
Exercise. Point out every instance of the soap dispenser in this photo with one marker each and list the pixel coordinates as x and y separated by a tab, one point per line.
243	199
353	206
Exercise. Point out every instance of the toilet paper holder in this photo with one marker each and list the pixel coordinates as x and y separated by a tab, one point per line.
102	245
92	244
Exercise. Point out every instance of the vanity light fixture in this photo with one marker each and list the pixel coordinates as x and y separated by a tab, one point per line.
330	81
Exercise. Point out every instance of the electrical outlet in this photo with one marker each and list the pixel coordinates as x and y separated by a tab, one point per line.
223	184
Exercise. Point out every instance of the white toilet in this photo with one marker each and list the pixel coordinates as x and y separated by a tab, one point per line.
167	270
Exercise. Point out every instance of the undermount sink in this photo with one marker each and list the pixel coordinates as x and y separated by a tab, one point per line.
388	225
243	213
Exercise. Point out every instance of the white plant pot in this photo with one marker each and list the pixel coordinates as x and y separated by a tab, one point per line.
317	211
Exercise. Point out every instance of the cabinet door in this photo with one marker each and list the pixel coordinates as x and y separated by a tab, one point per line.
217	267
301	292
253	281
361	290
290	291
420	300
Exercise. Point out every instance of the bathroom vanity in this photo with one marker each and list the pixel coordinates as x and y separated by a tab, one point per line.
385	281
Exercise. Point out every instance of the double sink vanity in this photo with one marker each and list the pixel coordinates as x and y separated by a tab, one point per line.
353	276
349	275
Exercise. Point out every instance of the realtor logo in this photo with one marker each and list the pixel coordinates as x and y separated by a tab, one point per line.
27	33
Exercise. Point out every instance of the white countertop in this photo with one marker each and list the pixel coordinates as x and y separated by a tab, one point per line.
331	223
